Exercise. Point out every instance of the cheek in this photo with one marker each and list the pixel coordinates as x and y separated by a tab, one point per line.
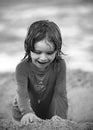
52	57
34	56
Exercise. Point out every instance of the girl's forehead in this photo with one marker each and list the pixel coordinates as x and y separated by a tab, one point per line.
44	45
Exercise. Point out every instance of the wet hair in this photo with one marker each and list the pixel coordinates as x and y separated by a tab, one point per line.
40	30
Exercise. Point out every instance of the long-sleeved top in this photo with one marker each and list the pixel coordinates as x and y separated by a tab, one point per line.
42	92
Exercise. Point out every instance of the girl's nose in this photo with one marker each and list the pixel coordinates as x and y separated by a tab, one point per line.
43	57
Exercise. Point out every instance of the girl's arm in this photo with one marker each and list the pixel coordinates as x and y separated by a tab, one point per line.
60	95
22	92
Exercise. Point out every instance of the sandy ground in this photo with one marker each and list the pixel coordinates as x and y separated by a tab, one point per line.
80	95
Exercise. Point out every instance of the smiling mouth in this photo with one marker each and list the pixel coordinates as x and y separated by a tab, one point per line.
42	62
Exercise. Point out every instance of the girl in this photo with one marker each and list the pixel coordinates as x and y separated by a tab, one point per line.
41	75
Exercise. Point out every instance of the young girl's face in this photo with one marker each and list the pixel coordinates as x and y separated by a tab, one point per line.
44	53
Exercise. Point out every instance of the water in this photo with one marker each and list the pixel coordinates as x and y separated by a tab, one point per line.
74	20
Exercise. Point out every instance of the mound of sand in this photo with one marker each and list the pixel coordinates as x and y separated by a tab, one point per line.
56	123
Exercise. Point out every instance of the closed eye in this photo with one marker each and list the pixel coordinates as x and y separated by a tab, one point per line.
37	52
50	53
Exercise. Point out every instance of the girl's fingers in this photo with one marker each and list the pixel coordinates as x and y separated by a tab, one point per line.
24	121
36	118
29	119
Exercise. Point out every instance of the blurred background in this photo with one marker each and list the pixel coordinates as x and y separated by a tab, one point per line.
75	20
74	17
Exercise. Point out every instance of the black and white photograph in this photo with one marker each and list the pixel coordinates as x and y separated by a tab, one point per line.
46	64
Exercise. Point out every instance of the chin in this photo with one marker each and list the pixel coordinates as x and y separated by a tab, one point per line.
43	67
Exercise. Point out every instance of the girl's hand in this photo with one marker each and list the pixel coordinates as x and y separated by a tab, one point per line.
56	118
29	118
